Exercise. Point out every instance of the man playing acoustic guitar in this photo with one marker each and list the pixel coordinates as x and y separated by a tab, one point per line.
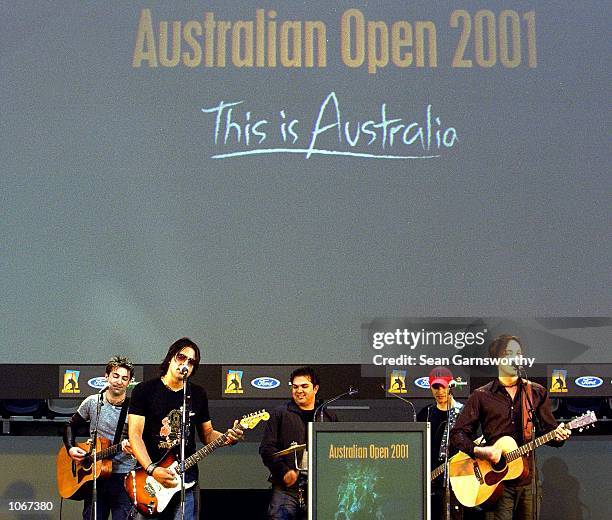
501	408
111	497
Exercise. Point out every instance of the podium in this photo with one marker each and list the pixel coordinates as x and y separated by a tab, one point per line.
372	471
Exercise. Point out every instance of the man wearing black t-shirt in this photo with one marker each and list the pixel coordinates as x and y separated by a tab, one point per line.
155	419
288	424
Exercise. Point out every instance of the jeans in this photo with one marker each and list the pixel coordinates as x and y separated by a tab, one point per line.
111	498
284	505
516	503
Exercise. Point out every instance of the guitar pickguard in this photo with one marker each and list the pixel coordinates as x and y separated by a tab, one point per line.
494	477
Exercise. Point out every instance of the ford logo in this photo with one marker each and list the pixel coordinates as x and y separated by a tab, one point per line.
265	383
589	381
97	382
422	382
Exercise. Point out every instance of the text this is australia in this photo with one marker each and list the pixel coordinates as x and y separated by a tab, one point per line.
239	131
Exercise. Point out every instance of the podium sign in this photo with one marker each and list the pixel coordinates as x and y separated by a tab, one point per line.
370	471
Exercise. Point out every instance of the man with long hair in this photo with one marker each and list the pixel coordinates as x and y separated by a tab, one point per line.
501	408
155	420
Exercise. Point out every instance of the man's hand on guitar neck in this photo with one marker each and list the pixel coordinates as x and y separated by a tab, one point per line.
126	447
491	453
562	433
234	434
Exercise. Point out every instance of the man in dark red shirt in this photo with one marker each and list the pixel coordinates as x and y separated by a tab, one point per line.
497	408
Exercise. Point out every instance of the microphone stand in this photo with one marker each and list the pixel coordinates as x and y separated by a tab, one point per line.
324	404
94	440
522	373
184	431
447	505
414	415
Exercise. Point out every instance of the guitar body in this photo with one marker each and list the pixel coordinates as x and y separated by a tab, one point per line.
146	493
475	481
72	476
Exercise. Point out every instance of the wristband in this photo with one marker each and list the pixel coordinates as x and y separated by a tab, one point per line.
150	468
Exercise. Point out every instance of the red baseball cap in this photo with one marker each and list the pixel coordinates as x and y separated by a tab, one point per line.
440	376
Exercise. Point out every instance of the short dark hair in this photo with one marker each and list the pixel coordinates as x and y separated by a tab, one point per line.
499	344
119	362
305	372
174	349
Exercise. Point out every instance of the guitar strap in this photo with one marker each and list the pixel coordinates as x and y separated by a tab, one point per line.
121	421
527	421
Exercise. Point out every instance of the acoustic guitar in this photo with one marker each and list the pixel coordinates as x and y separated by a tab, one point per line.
475	481
72	475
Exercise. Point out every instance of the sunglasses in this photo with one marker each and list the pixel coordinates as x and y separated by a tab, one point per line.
182	358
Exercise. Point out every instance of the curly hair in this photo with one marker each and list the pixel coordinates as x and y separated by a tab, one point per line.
119	362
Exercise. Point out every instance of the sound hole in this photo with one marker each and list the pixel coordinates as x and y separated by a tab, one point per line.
501	464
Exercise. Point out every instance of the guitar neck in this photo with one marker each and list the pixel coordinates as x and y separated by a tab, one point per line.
205	451
110	451
248	422
437	472
585	420
106	453
530	446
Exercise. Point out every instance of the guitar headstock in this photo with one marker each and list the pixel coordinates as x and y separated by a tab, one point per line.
583	421
248	422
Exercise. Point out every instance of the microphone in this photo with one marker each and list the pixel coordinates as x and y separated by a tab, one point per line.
402	399
184	369
324	404
104	389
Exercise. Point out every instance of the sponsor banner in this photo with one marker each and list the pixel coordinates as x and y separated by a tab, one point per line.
256	381
578	380
558	381
397	382
233	382
83	380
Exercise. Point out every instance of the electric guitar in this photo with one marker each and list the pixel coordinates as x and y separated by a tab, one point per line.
150	497
71	475
475	481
